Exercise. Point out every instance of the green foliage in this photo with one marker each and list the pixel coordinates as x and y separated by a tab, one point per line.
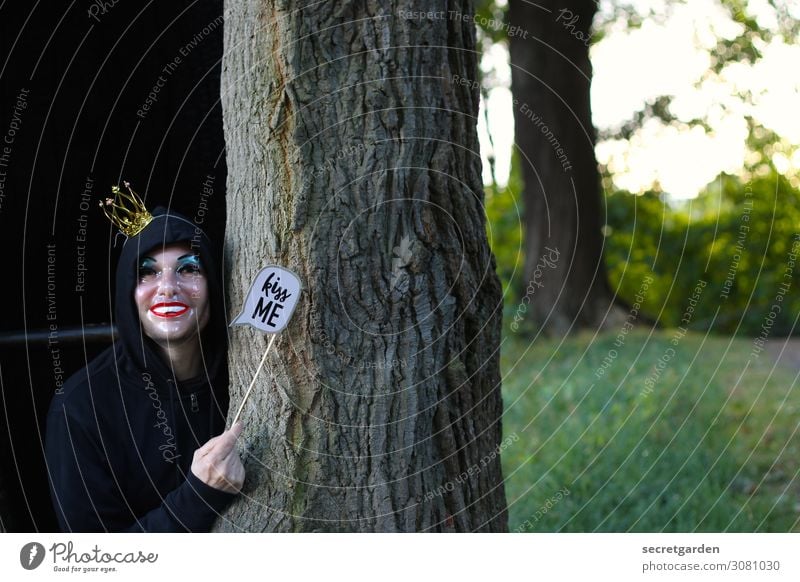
712	447
487	11
505	228
736	237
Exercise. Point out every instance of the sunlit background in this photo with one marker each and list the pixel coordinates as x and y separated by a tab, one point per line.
669	56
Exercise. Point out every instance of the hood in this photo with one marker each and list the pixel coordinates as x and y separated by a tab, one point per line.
139	351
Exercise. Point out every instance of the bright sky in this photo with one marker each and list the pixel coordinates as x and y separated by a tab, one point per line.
668	59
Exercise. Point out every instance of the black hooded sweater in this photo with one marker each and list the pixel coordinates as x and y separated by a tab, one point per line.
122	431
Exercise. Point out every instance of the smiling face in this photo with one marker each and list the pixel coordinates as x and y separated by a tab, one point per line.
172	294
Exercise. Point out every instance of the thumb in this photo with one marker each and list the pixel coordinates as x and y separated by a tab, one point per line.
227	443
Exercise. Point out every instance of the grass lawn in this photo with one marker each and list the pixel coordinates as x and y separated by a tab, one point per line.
666	433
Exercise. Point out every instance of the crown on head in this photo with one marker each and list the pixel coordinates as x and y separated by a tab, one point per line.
126	211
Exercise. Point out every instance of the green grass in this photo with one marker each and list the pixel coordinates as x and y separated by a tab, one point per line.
713	447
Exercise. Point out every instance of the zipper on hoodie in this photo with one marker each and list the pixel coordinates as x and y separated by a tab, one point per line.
195	405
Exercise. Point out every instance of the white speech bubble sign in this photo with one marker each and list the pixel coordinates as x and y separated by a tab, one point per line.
271	300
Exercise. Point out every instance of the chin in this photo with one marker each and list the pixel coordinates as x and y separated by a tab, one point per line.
173	332
170	336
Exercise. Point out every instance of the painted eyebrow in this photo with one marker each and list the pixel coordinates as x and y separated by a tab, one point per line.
190	256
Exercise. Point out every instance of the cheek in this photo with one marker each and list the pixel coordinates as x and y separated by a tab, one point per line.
203	309
200	296
141	296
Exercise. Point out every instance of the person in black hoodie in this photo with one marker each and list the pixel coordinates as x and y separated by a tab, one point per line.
129	442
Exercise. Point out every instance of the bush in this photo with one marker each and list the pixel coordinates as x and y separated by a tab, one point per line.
736	238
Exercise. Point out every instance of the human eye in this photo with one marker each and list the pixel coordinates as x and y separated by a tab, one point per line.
146	272
190	266
189	270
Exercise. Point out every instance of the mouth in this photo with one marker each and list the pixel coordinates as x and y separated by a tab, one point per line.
173	309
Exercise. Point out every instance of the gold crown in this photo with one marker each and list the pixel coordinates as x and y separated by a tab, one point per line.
126	211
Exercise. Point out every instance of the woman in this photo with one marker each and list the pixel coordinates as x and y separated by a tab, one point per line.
124	436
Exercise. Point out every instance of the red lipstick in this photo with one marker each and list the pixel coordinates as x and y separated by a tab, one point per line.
171	309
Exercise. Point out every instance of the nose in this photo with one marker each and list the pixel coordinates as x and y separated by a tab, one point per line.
168	283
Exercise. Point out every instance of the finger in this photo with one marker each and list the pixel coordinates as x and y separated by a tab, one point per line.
237	428
236	472
232	433
210	444
229	472
227	441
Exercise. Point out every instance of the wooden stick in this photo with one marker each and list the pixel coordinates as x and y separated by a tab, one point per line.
263	359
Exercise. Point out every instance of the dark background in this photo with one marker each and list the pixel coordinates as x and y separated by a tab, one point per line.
86	78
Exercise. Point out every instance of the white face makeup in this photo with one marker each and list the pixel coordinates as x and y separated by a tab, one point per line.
172	294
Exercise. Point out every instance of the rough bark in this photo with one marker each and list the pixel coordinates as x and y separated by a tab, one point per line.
550	81
353	160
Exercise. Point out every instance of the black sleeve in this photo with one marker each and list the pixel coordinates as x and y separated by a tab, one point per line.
87	499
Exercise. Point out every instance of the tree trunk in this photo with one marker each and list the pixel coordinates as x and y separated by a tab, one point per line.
353	160
550	81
